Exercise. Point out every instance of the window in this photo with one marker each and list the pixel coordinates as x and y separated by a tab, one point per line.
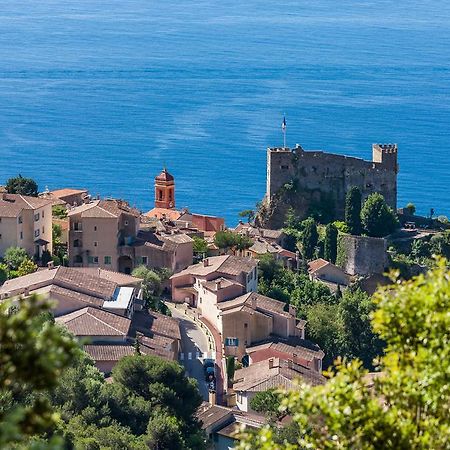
36	217
43	230
0	236
20	219
145	260
160	195
21	235
93	259
77	226
107	259
231	342
36	233
95	227
77	243
126	223
95	244
43	214
78	259
245	325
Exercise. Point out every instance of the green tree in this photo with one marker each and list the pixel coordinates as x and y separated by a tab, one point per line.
330	243
249	214
59	211
353	210
163	433
377	217
14	256
309	238
26	267
411	208
407	406
242	242
268	402
33	356
151	288
231	367
200	246
3	273
440	244
224	239
21	185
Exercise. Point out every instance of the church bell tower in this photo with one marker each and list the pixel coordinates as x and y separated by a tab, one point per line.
164	190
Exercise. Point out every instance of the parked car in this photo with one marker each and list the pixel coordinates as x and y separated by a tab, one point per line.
209	369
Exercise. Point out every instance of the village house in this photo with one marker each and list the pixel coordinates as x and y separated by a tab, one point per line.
187	285
65	196
272	373
25	222
328	273
107	234
298	350
222	425
103	307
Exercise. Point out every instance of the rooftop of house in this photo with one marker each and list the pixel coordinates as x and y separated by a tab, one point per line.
163	213
164	176
261	302
104	209
121	279
317	264
77	284
224	420
61	193
292	347
156	323
256	231
11	205
274	373
226	264
220	283
95	322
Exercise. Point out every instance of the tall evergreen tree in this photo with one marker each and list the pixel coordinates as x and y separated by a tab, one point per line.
330	243
353	210
309	238
377	217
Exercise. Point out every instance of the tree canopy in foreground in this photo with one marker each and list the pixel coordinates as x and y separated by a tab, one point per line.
407	405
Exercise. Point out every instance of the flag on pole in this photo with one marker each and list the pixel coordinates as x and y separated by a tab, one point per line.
283	125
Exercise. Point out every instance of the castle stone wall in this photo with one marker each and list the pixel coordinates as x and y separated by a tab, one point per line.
362	255
316	175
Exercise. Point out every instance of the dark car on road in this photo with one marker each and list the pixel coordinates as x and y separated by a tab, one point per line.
209	369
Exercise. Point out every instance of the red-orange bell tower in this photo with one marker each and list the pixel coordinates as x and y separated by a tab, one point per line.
164	190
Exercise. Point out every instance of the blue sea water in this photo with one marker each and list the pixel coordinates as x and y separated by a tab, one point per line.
103	93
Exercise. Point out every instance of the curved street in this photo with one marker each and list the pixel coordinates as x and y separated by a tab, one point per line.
194	348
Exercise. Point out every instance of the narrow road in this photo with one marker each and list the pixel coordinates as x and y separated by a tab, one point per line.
194	346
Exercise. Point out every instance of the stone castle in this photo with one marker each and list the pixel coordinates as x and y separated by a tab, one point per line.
315	181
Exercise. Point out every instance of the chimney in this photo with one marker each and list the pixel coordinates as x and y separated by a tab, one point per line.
218	285
292	310
271	363
50	265
205	262
26	291
253	302
290	364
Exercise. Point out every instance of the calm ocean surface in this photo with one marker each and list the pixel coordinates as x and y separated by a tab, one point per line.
101	93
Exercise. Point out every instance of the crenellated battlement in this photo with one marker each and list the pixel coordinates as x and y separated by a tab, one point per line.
304	179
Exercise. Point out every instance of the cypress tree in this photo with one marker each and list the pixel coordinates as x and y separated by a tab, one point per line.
330	243
353	210
309	238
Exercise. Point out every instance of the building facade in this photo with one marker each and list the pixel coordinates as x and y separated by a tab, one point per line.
25	222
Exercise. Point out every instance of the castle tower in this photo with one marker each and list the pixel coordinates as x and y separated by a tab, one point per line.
164	190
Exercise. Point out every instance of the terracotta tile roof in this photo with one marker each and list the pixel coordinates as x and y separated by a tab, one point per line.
226	264
109	352
263	304
224	283
317	264
11	205
293	346
95	322
155	323
274	373
179	238
64	277
60	193
164	176
208	415
121	279
68	293
104	209
160	213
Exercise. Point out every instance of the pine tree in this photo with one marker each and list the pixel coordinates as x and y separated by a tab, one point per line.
309	238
